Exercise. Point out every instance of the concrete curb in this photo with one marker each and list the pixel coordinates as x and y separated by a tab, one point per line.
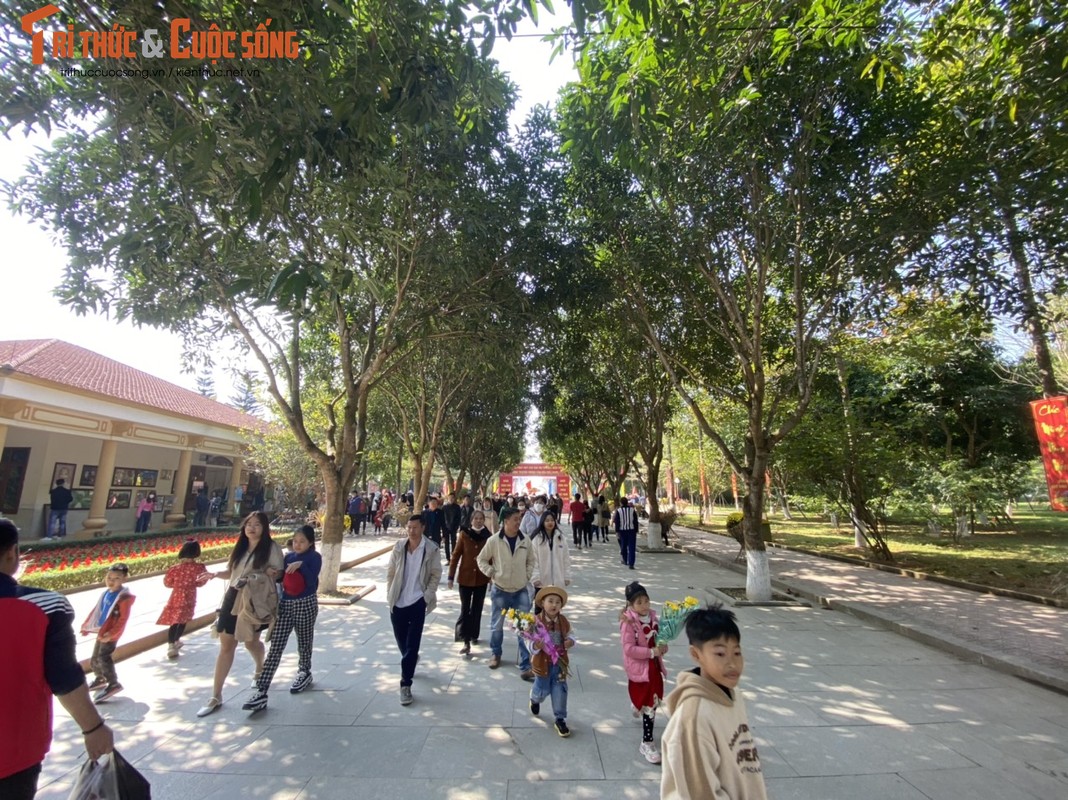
919	575
943	641
159	638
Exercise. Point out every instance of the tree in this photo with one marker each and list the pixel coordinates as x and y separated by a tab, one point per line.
245	393
301	213
206	384
995	71
761	166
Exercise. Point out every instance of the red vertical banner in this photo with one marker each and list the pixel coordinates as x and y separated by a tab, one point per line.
505	485
1051	425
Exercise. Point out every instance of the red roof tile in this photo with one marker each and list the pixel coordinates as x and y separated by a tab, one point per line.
74	367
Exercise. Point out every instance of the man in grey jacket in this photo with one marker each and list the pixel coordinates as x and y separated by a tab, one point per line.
411	592
508	560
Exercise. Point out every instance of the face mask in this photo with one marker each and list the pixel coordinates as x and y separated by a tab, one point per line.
539	507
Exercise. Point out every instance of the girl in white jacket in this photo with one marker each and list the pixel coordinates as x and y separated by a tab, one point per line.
552	559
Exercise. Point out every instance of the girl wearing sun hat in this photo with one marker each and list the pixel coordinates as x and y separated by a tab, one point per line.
550	680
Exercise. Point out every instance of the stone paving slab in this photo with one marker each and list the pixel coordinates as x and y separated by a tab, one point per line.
841	708
1026	639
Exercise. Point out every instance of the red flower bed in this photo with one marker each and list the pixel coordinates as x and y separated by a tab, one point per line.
91	553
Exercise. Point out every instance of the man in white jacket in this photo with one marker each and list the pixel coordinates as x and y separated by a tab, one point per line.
508	561
411	592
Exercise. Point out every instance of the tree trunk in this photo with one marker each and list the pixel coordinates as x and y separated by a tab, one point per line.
1032	316
860	532
333	531
758	574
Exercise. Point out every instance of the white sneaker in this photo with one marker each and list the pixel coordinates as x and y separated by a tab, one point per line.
648	749
172	651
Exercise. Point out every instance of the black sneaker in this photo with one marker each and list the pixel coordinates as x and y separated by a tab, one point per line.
562	729
257	702
303	681
98	683
535	708
107	692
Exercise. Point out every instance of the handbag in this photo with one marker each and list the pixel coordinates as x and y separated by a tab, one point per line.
458	635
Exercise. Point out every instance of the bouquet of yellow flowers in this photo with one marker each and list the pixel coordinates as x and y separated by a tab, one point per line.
673	617
520	621
531	628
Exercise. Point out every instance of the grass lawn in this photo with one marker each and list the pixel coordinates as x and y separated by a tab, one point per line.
1030	554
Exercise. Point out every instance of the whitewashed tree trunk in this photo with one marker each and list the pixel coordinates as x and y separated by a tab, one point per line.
834	519
784	504
757	576
331	553
859	529
934	528
984	520
963	529
1010	509
653	538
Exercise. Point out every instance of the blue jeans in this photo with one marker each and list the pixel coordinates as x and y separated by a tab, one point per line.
57	523
628	543
551	685
501	600
408	631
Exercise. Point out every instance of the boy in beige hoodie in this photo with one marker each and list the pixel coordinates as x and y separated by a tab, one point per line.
708	747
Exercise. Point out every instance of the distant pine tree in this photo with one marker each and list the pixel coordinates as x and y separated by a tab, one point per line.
206	385
244	398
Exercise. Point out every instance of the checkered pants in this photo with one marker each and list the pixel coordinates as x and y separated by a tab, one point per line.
298	614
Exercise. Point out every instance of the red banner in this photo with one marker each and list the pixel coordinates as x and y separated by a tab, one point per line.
1051	425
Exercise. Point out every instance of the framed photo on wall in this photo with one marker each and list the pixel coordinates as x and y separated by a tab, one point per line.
65	471
119	498
82	499
124	476
88	476
147	477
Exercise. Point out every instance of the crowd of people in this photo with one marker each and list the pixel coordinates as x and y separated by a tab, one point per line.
512	549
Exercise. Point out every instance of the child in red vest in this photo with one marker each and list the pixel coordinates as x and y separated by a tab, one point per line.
108	620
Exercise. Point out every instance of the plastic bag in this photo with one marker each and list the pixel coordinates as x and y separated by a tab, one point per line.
132	784
111	777
89	783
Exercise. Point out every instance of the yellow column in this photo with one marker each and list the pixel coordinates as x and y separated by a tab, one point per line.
3	436
235	483
97	520
181	486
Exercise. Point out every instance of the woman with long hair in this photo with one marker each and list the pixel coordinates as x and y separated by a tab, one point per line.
255	564
552	559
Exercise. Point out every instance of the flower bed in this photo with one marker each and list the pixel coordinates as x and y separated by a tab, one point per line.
69	565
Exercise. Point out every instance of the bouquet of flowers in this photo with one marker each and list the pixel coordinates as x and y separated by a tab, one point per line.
673	617
531	628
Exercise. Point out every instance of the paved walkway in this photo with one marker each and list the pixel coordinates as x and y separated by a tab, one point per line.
1025	639
841	708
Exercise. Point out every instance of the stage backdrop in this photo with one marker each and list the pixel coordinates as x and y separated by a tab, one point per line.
535	479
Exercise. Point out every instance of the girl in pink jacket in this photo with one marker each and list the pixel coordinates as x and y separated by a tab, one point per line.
643	662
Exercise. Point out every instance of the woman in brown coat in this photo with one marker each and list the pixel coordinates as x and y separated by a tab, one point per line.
472	581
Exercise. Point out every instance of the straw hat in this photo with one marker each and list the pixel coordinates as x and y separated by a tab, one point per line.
545	591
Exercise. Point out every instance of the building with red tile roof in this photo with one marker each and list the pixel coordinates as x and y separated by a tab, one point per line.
113	433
